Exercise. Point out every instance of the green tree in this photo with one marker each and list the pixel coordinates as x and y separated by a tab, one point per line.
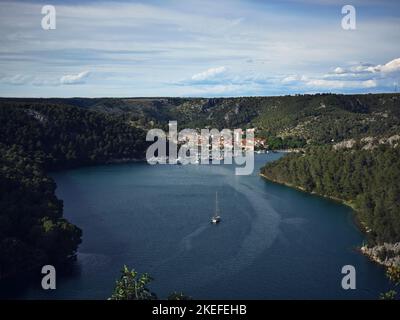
132	286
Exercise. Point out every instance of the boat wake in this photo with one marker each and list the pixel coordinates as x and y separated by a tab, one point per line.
264	228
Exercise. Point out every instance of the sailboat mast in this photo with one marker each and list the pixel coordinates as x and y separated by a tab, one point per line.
216	218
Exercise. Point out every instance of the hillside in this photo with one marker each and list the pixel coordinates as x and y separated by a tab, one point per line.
61	135
317	118
366	179
41	136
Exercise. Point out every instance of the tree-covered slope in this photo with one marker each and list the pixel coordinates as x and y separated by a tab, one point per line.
36	137
368	179
33	232
319	118
62	135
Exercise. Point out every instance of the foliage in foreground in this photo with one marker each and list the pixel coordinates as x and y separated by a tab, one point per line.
134	286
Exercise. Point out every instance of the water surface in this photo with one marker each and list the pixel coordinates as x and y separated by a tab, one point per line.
273	241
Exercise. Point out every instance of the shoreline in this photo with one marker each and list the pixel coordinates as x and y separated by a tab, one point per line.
125	160
294	150
62	167
365	250
342	201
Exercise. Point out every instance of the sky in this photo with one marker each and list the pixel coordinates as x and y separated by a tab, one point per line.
198	48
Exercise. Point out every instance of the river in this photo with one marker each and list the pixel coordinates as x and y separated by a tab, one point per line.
273	242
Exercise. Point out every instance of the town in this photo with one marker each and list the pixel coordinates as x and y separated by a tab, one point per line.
208	145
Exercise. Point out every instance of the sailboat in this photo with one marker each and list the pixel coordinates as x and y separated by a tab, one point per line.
216	217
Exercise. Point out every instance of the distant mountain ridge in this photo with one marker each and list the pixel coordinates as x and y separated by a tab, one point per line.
319	119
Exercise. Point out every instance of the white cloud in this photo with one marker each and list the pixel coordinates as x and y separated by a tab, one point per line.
74	78
339	70
361	68
356	76
209	74
391	66
341	84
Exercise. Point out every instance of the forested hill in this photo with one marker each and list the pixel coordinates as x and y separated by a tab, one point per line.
317	119
61	135
367	179
33	232
36	137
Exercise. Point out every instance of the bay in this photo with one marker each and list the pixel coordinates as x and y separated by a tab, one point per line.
273	242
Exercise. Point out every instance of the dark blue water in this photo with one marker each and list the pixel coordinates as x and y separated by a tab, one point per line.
273	242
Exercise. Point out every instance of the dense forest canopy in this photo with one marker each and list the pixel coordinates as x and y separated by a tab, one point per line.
36	137
369	179
62	135
32	230
318	118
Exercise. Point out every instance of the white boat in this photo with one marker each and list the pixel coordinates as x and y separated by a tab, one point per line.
216	218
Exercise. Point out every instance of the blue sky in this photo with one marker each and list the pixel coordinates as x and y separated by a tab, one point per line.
198	48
